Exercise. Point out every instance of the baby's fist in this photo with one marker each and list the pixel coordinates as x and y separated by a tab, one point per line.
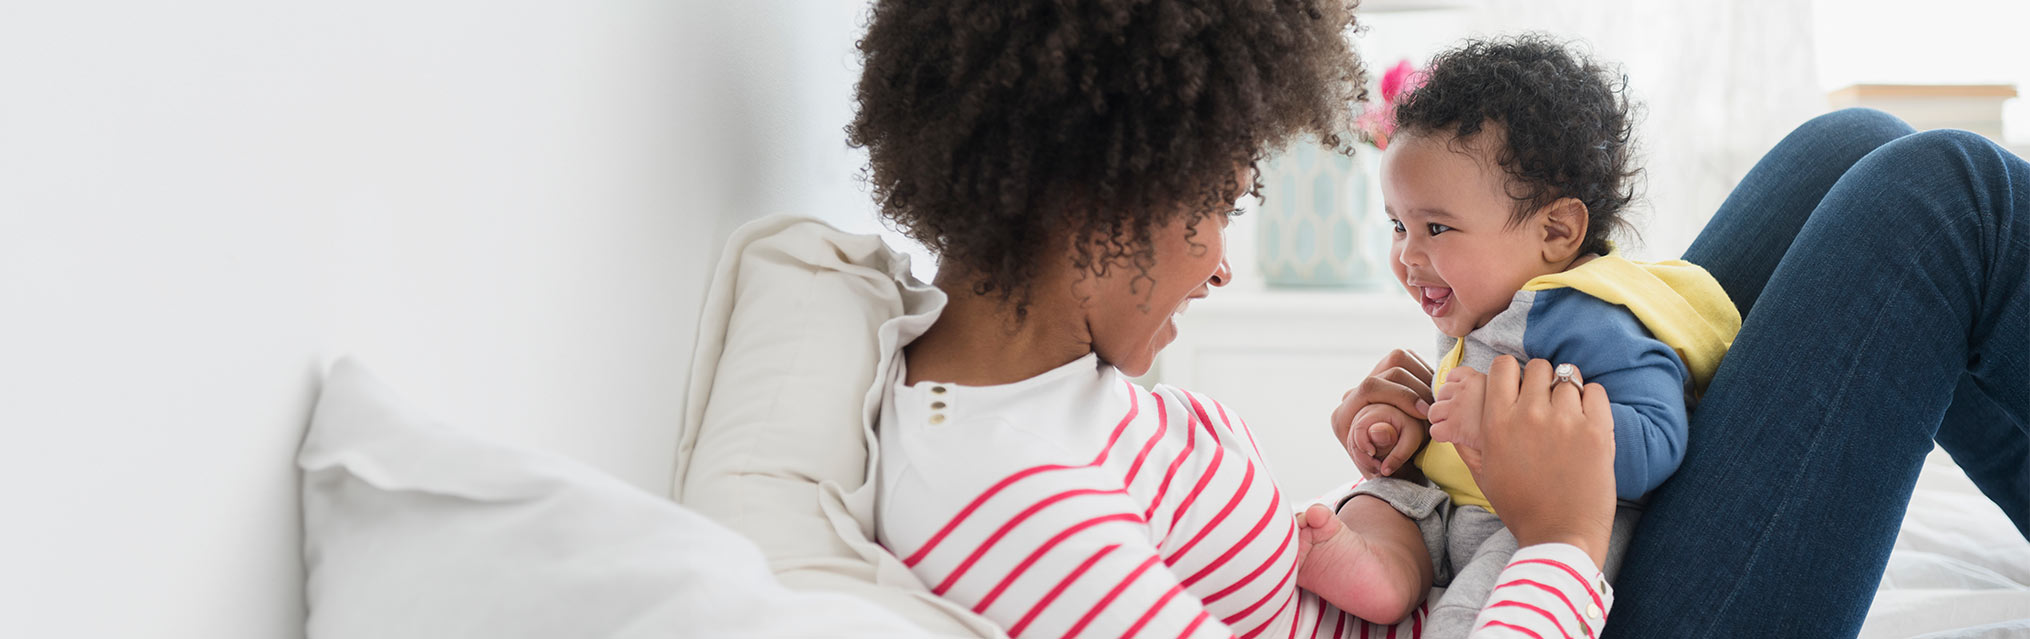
1384	439
1455	417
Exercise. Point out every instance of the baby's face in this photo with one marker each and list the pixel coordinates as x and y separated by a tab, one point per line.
1454	248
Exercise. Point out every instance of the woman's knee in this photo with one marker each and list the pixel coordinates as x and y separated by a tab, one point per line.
1823	148
1945	145
1946	157
1856	123
1942	178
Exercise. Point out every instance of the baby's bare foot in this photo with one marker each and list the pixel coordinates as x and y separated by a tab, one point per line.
1344	568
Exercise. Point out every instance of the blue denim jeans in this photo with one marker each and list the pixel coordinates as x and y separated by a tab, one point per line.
1884	282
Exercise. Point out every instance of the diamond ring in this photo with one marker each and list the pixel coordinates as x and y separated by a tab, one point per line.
1565	372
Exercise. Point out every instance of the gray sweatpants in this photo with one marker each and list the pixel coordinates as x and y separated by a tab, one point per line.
1469	548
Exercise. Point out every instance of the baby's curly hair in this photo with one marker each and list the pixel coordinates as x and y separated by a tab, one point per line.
995	127
1565	119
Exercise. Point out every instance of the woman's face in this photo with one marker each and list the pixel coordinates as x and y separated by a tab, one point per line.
1131	315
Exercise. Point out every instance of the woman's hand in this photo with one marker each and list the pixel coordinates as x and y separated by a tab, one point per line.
1546	459
1390	405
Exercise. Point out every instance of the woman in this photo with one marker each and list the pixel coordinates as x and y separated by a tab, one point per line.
1073	167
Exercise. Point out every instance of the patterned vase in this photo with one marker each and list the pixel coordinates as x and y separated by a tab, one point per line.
1315	229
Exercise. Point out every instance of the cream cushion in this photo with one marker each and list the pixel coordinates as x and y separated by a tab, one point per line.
417	530
777	441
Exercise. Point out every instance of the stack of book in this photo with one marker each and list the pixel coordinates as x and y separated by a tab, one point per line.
1974	107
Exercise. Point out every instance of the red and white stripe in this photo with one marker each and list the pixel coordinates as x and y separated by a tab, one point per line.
1156	518
1550	590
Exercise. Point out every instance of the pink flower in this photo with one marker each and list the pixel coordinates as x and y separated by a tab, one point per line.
1400	79
1377	121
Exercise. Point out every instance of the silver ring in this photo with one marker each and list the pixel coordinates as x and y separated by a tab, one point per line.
1565	372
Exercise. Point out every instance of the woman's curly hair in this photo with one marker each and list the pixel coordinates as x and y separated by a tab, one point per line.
995	127
1565	121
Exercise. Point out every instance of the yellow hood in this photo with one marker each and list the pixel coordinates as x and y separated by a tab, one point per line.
1679	302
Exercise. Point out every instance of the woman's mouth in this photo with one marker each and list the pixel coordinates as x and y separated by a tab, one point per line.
1436	300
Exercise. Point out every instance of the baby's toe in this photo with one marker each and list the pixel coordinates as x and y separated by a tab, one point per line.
1317	516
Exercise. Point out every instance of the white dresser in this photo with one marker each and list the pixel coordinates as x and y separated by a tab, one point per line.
1281	358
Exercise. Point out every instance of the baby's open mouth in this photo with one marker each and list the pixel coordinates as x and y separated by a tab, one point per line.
1436	300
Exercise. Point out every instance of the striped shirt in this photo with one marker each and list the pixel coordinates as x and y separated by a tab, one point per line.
1077	504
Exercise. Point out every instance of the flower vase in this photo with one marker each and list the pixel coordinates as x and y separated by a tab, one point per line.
1315	229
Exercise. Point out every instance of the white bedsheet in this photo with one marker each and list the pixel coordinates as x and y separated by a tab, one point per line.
1959	569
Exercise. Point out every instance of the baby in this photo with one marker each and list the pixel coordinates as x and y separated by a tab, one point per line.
1508	172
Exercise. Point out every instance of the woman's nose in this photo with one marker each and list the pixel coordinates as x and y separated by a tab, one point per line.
1223	274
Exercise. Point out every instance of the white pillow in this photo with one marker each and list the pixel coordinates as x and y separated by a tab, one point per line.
412	529
801	323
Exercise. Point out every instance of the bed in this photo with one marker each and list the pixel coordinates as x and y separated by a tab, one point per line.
771	537
1959	568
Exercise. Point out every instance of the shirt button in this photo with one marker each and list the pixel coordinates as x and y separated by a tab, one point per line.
937	390
937	419
1592	611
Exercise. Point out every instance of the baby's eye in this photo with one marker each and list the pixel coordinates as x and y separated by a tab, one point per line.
1437	228
1398	224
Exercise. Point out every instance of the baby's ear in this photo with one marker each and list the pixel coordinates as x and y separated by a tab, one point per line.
1563	230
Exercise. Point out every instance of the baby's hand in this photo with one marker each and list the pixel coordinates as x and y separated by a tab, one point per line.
1455	417
1383	439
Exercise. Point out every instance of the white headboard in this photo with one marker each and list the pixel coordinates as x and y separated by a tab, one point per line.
508	210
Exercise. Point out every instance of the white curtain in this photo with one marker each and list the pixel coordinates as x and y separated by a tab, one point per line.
1721	82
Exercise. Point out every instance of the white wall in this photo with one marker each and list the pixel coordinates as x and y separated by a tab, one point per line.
791	67
1718	84
507	209
1937	42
